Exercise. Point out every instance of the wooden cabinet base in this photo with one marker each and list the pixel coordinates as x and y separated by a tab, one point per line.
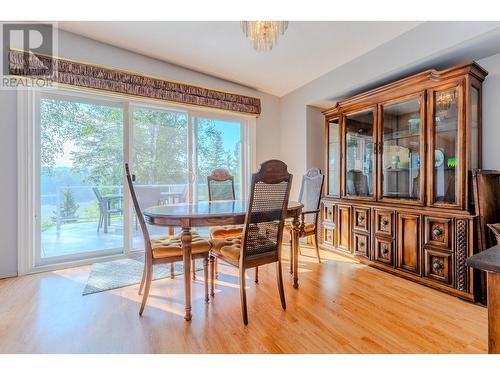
424	244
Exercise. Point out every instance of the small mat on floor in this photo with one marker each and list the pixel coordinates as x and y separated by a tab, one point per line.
124	272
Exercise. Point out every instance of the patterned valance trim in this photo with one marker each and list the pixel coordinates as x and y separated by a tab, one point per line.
118	81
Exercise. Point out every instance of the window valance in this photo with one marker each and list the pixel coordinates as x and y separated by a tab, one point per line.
119	81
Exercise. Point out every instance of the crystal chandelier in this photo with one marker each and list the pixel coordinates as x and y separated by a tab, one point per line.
264	34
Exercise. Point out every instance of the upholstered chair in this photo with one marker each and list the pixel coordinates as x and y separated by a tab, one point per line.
164	249
260	243
220	185
486	190
310	196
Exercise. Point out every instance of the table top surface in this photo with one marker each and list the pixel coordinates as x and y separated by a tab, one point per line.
488	260
205	209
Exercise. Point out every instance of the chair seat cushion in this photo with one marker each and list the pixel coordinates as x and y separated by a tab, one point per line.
171	246
226	231
227	247
309	228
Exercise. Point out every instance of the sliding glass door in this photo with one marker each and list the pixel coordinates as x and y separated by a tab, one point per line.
81	143
80	178
160	161
218	144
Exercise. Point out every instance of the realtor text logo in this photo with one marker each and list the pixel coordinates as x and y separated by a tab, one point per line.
27	50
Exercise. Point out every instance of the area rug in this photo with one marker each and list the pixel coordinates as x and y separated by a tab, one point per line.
125	272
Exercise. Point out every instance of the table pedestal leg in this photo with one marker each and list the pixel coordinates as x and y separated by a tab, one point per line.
186	255
295	246
493	313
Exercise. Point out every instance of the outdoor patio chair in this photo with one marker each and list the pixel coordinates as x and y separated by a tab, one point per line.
109	204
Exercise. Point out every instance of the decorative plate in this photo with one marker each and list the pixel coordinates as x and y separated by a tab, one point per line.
438	158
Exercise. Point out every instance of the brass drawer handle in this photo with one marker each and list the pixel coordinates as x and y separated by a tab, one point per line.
361	244
385	249
437	266
361	219
437	232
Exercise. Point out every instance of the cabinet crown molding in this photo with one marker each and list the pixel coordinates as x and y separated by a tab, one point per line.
410	83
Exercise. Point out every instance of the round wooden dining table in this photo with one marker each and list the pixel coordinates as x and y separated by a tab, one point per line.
207	214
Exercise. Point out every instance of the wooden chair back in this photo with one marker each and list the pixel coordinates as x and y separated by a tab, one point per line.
267	207
486	189
220	185
310	193
138	211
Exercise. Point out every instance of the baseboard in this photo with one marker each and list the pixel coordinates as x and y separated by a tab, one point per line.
7	275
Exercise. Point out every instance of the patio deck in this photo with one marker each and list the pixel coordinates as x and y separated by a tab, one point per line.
83	237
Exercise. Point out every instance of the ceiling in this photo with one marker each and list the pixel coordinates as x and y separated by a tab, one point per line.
306	51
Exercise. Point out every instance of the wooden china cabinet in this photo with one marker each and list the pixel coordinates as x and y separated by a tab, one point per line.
399	162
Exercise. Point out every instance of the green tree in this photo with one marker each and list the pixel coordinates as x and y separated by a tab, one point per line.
160	147
68	206
211	153
96	132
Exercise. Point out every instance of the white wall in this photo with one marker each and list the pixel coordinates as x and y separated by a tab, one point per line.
491	113
315	155
8	186
79	48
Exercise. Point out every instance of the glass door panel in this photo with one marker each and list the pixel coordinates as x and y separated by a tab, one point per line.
80	179
401	158
446	140
359	157
218	144
160	162
334	158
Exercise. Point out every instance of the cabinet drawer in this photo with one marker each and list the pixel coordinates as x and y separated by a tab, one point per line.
383	251
328	235
438	266
328	213
361	245
361	219
438	232
384	222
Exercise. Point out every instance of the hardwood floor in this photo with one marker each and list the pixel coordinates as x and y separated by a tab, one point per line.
340	307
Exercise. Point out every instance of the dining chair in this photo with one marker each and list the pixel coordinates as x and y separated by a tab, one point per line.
311	189
486	192
260	243
220	185
164	249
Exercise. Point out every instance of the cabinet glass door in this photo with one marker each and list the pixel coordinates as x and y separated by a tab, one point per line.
402	150
359	157
445	140
334	158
